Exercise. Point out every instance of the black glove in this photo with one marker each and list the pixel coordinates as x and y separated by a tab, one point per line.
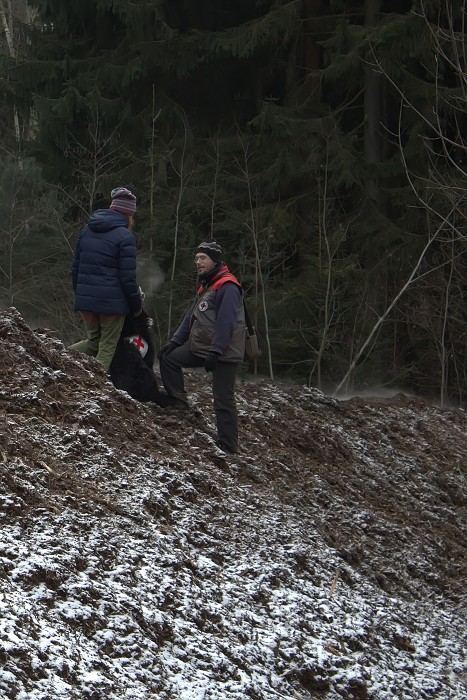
166	349
210	363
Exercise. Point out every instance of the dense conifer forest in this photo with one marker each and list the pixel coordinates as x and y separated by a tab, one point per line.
322	142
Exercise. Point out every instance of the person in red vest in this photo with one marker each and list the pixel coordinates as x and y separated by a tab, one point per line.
212	334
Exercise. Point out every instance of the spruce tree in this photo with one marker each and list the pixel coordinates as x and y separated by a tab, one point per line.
278	127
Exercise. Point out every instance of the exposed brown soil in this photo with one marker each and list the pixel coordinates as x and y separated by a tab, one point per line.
382	482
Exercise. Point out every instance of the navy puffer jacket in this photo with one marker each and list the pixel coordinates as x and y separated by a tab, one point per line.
104	266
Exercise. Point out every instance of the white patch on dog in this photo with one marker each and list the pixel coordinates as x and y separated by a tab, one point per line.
139	343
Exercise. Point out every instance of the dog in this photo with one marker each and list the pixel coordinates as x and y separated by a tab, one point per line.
131	368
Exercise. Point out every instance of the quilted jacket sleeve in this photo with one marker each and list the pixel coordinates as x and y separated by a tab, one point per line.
127	272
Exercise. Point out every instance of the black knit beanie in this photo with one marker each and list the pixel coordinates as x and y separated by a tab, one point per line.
211	248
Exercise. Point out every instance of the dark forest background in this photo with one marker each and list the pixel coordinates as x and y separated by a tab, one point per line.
322	142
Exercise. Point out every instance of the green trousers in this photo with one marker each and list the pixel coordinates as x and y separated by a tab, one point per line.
102	335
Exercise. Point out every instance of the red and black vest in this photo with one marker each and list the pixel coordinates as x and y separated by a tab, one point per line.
209	332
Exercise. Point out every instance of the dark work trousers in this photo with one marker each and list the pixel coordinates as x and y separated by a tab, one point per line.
223	390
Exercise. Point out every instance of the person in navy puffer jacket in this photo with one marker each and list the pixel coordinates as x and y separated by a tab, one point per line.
104	276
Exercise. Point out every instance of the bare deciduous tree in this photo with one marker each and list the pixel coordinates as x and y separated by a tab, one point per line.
441	190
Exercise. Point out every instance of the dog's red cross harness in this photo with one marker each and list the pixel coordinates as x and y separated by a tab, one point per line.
139	342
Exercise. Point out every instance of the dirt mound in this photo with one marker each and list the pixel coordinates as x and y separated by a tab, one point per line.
326	559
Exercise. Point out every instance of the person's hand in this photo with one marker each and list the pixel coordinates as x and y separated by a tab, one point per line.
166	349
138	313
210	363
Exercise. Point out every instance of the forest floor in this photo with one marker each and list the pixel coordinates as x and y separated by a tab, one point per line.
327	559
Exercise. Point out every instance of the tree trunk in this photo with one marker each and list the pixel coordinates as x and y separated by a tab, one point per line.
372	106
6	15
311	49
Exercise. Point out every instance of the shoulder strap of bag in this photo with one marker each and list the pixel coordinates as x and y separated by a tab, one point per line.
248	320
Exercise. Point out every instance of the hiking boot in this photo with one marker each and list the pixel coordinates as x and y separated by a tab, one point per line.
162	399
177	405
223	447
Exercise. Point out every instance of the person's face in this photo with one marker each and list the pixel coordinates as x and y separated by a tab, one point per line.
204	263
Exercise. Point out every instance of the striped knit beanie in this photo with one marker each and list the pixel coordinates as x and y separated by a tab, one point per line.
211	248
123	201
